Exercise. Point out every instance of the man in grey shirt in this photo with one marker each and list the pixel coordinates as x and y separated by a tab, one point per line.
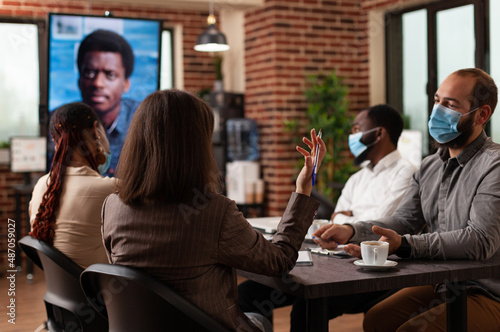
450	211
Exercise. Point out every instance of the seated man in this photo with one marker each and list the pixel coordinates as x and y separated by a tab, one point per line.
455	194
374	190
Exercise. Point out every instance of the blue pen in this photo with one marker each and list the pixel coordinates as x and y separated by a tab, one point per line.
315	169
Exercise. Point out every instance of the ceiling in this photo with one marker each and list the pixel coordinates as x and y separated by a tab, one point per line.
188	4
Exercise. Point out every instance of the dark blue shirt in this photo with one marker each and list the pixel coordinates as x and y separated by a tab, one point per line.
118	131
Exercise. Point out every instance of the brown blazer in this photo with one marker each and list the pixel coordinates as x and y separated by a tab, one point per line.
196	248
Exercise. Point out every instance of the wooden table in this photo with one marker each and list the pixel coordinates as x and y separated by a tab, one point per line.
330	276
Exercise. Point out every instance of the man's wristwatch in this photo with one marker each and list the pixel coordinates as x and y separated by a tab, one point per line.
404	251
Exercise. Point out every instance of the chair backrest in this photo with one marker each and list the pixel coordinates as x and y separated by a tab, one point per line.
136	301
326	207
67	306
26	245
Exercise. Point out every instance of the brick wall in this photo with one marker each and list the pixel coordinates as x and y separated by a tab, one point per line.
285	42
198	67
7	180
7	205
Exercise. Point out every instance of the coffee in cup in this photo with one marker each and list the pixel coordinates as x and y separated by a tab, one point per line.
374	252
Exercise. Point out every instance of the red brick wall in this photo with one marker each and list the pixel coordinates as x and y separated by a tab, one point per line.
285	42
198	67
7	203
7	180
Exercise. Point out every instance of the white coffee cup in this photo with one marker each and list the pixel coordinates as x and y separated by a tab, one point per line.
316	224
374	252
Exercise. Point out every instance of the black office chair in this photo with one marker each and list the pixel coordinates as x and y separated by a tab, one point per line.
136	301
67	307
326	207
26	245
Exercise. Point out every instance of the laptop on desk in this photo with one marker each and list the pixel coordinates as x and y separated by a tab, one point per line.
265	224
269	225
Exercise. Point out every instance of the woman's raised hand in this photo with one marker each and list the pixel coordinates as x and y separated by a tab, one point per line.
304	180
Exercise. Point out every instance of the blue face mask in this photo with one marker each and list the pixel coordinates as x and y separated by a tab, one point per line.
103	168
355	144
443	123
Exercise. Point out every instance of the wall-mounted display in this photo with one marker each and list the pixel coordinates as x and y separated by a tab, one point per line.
109	63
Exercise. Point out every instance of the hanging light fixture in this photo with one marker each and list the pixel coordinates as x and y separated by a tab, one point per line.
211	40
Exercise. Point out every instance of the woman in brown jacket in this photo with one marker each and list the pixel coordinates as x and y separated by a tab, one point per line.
169	220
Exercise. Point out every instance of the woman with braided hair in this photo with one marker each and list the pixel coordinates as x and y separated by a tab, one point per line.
65	209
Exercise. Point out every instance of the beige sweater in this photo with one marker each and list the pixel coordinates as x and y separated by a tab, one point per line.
78	219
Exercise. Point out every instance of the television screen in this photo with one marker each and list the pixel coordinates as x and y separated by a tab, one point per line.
28	154
109	63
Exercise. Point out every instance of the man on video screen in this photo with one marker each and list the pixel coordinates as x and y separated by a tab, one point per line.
105	63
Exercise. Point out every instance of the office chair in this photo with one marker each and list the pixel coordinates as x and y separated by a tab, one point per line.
67	307
326	207
30	251
136	301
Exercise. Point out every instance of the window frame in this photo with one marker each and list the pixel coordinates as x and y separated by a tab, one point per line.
394	48
42	65
172	53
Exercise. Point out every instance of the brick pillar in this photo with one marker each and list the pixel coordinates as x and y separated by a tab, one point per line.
285	41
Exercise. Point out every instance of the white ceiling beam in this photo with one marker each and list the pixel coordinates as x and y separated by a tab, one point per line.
189	4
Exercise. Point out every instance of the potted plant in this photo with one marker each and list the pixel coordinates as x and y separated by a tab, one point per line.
327	109
4	152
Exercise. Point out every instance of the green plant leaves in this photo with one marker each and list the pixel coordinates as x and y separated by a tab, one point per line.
327	109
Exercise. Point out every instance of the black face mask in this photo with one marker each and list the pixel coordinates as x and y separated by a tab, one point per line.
362	157
369	140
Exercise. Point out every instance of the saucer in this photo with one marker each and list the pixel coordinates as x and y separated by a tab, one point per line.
387	265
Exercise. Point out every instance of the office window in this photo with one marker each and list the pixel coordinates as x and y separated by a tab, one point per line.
167	68
427	43
455	40
415	73
19	80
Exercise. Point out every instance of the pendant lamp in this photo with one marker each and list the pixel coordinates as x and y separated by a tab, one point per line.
211	40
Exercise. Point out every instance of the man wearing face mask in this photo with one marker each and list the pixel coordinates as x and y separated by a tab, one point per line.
455	196
374	191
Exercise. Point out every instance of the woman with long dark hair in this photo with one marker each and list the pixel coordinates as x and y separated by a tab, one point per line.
65	209
169	219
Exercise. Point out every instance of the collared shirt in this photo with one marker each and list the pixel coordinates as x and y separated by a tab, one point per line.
375	191
457	200
117	132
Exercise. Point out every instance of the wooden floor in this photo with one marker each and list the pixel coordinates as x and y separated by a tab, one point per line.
30	310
